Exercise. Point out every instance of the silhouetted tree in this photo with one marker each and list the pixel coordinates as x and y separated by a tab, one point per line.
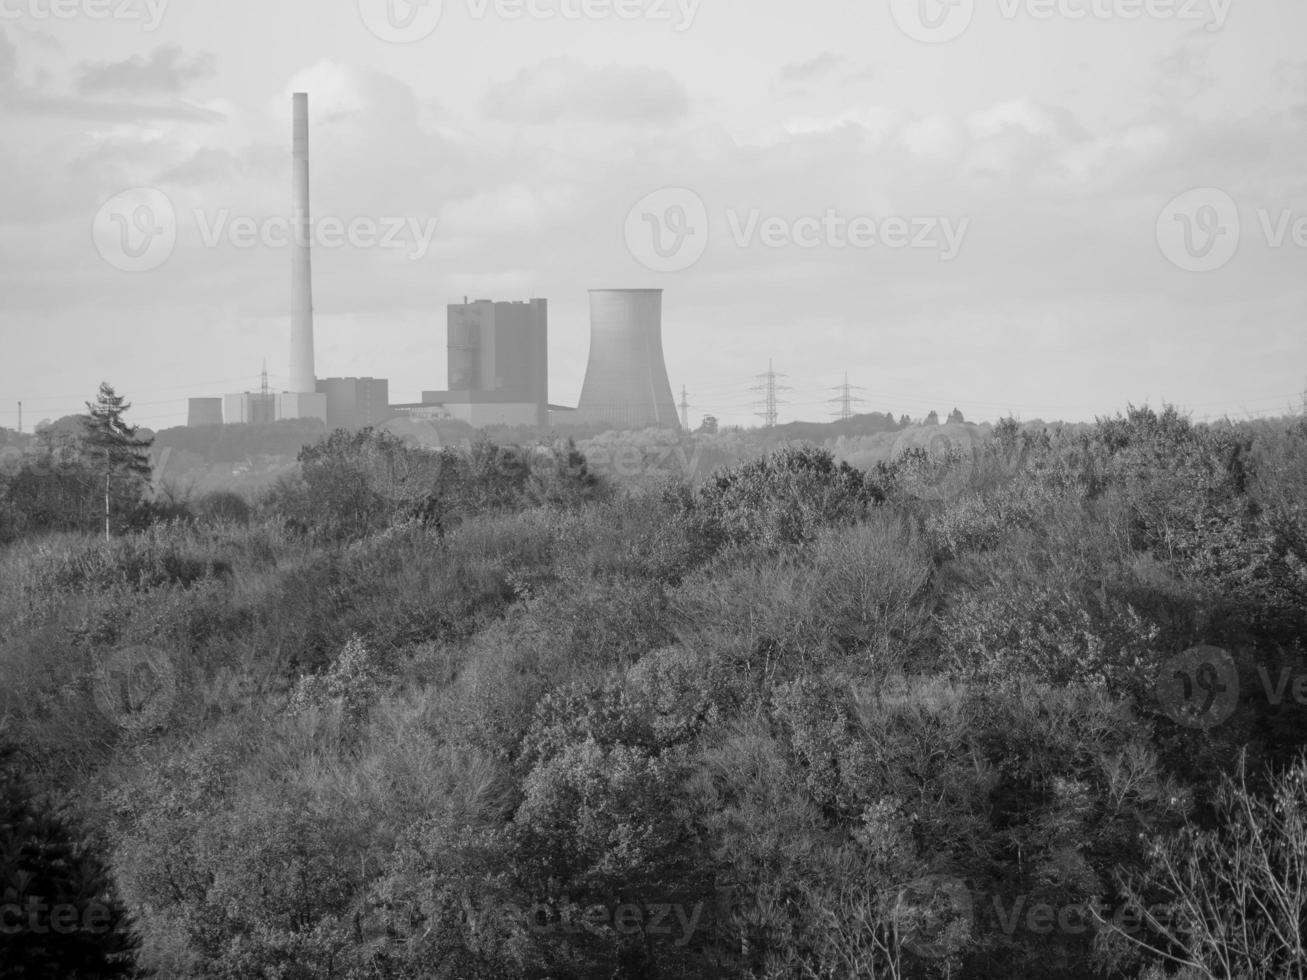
60	915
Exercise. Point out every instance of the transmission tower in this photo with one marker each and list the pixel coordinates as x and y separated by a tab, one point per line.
769	387
685	410
847	399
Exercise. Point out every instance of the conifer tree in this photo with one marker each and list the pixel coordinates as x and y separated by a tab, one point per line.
60	916
116	451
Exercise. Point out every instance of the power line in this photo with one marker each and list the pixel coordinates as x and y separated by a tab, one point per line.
769	402
847	399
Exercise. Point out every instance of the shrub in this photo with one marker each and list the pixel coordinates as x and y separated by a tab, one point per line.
1226	901
224	506
857	596
780	500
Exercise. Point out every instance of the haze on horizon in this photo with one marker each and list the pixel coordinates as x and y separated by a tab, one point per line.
1037	173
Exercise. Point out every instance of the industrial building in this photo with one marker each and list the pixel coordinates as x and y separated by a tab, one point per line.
498	355
249	408
498	363
356	403
626	383
204	411
304	400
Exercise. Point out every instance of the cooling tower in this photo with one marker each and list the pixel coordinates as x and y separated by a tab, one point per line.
626	382
302	377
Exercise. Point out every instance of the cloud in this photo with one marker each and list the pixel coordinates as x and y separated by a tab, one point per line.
1291	85
1184	73
937	137
562	89
116	112
19	99
349	96
164	71
802	71
875	121
8	64
210	165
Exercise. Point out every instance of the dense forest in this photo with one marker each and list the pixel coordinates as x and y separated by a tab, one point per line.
1034	709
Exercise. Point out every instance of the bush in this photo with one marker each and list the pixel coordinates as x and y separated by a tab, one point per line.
780	500
1226	901
856	597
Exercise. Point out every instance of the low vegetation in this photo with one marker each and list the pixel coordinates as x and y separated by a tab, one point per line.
481	713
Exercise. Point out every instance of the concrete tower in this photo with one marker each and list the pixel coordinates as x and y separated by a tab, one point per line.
302	377
626	382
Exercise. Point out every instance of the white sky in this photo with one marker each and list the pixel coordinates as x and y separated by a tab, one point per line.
1056	141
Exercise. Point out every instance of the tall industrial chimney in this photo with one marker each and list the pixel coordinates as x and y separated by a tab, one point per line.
302	377
626	382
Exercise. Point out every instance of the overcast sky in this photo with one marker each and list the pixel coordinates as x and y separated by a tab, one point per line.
1044	207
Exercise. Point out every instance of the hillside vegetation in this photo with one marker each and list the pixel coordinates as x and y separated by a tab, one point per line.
481	713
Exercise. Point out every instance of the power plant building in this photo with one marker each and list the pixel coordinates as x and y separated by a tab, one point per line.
356	403
203	411
626	384
302	380
299	405
498	363
249	408
303	400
